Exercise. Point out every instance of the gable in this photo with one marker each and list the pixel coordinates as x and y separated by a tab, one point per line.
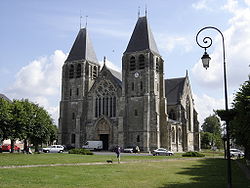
107	84
174	90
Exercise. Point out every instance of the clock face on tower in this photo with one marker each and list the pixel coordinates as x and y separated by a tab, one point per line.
137	75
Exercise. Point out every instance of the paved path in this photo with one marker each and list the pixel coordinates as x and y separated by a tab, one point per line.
98	163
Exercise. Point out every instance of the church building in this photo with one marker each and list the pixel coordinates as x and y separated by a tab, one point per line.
137	107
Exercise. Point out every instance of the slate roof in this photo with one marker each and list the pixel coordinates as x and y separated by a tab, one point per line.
82	48
142	37
174	89
4	97
116	75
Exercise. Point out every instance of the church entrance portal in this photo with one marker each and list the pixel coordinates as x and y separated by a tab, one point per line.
105	139
103	130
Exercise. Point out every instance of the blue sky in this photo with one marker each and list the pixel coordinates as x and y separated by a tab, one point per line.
36	37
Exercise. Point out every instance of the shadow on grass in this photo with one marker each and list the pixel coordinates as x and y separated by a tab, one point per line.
211	173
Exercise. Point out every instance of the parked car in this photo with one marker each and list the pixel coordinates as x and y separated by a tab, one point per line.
162	151
236	153
54	149
7	147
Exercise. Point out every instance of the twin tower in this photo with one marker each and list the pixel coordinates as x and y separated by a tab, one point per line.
126	109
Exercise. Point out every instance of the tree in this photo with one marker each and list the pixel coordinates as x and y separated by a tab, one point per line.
17	122
240	125
4	119
212	125
211	135
41	129
26	121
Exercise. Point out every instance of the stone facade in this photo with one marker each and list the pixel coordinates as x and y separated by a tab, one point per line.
137	107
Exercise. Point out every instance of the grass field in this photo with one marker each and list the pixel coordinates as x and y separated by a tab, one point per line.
144	173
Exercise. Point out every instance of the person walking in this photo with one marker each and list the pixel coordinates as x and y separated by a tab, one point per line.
118	153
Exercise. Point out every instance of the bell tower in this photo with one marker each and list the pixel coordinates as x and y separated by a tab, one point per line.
143	89
80	70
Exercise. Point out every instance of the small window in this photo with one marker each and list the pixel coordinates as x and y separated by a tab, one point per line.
173	134
141	85
136	113
132	65
77	91
71	71
70	92
73	115
138	138
94	72
141	62
73	138
172	114
78	71
157	64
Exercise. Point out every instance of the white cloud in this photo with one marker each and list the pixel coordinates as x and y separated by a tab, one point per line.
39	81
110	65
168	43
237	47
201	5
205	105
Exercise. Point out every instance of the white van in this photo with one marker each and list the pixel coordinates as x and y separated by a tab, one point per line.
93	145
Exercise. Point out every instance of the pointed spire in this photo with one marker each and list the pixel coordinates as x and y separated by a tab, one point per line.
80	19
104	61
82	48
139	11
142	37
186	73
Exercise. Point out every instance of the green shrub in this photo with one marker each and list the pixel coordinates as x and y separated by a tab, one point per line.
192	154
80	151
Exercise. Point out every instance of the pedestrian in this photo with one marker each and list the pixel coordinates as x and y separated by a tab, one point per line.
118	153
137	149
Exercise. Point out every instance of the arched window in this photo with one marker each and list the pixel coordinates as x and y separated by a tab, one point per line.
138	138
172	114
188	113
110	107
141	85
73	115
94	72
71	71
179	135
132	86
100	107
132	65
141	62
73	138
78	71
136	112
96	107
114	107
157	64
173	134
106	99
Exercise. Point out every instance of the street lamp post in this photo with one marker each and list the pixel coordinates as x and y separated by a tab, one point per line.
205	60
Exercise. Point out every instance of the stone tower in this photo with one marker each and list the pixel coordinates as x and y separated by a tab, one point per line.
143	90
80	70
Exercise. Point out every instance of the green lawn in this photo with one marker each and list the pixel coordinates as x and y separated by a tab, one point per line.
162	174
8	159
44	158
